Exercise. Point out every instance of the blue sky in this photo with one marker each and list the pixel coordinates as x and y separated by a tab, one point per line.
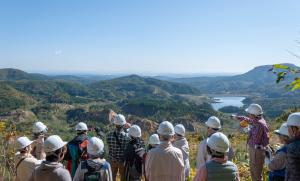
147	36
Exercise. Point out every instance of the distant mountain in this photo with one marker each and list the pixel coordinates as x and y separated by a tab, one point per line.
134	86
9	74
258	81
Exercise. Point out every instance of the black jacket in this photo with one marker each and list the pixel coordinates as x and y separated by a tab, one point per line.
293	160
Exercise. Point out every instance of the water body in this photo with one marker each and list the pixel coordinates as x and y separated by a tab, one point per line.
227	101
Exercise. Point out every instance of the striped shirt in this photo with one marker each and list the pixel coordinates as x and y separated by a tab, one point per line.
258	134
116	150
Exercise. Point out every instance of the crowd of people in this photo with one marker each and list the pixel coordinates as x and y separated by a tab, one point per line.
165	157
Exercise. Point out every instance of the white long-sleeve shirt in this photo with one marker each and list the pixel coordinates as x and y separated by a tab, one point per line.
202	155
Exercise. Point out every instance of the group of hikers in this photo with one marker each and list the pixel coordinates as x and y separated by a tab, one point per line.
166	156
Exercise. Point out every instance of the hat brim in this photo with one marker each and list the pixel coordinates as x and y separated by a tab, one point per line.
277	132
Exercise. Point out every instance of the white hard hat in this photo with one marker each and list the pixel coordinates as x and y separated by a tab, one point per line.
294	119
119	119
23	142
218	142
39	127
95	146
283	130
166	128
135	131
81	126
179	129
254	109
53	143
154	139
213	122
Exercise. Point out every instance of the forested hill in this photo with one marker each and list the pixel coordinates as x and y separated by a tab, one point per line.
28	97
136	86
258	81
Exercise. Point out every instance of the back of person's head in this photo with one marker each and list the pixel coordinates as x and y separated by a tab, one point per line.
95	147
54	148
214	123
166	131
179	130
154	140
81	128
23	144
218	145
283	133
119	120
135	131
39	128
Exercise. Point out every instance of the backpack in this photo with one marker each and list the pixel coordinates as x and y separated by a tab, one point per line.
78	152
93	174
135	165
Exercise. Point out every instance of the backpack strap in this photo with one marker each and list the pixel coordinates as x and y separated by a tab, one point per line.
19	163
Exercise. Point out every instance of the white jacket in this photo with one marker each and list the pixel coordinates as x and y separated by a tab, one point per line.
202	155
183	145
165	163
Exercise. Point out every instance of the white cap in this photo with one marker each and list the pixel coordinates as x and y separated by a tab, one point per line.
283	130
39	127
218	142
254	109
81	126
294	119
179	129
95	146
166	128
23	142
53	143
213	122
135	131
154	139
119	119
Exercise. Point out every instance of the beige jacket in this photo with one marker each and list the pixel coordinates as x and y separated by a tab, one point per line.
106	174
165	163
38	149
50	171
25	167
278	162
202	155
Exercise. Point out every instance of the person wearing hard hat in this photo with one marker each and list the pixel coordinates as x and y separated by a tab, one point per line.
213	125
153	142
39	130
24	161
117	141
182	143
293	148
276	164
134	154
257	140
77	148
96	167
218	168
52	169
165	162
